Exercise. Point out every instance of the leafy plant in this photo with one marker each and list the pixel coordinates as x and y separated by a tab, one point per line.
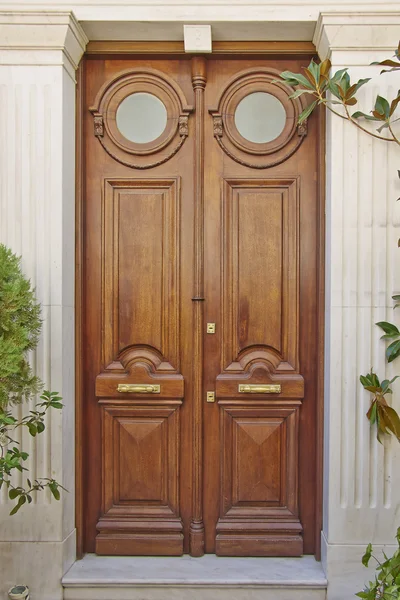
386	418
387	579
13	458
338	94
20	327
317	81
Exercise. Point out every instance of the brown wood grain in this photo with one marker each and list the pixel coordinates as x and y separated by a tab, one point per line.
208	235
199	80
219	47
79	298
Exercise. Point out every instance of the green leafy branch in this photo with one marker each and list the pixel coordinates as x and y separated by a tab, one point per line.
316	82
387	579
12	458
338	90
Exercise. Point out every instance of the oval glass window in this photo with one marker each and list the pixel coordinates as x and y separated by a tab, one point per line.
141	117
260	117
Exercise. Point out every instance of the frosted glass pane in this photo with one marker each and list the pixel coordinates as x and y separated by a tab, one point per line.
260	117
141	117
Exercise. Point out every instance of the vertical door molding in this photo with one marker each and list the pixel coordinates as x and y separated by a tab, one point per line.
199	80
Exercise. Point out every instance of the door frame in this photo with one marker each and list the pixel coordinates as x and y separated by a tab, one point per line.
169	50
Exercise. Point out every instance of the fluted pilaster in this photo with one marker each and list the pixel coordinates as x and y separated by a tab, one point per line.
362	481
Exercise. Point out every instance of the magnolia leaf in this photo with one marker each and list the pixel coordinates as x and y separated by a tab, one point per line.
383	422
387	63
345	82
382	127
385	386
364	380
371	414
371	379
298	93
358	114
311	78
333	88
325	67
388	327
342	92
389	70
351	101
378	116
297	78
362	82
392	420
394	104
393	351
356	86
382	107
307	112
374	379
338	75
314	69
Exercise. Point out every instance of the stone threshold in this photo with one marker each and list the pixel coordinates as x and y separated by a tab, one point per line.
208	571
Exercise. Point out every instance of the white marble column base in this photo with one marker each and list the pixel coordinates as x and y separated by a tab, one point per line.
39	565
344	571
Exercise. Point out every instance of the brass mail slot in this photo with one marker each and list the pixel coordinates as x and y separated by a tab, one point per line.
260	389
138	388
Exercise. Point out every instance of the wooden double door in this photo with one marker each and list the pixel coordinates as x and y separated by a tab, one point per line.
200	308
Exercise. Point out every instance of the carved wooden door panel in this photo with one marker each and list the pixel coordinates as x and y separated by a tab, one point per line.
138	305
188	221
261	251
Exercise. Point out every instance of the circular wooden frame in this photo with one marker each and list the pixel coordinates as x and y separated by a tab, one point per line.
237	95
149	86
247	82
109	99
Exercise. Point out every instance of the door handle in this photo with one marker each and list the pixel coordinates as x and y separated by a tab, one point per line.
260	389
140	388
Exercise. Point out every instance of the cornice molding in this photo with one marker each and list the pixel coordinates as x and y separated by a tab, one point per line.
41	38
356	35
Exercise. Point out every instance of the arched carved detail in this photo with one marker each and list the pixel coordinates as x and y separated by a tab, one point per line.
264	155
139	365
267	356
132	154
259	370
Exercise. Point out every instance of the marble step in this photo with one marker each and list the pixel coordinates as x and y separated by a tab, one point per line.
185	578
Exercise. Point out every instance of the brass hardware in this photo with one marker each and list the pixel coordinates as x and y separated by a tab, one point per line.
141	388
260	389
210	327
210	396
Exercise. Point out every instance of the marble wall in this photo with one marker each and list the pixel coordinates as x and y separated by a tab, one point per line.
361	477
37	207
